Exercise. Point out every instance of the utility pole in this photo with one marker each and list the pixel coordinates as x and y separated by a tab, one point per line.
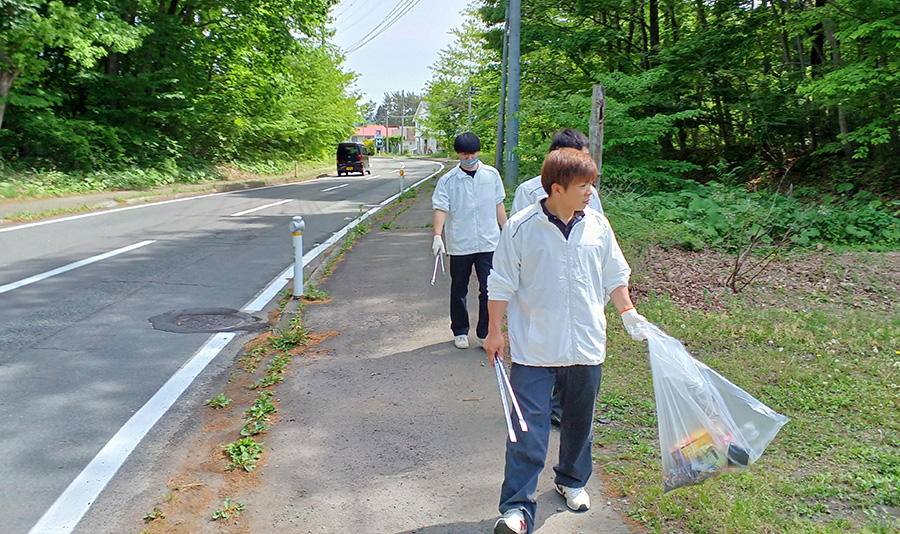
469	93
512	122
598	114
402	120
501	112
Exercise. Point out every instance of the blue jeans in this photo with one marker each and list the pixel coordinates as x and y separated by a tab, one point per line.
578	386
460	273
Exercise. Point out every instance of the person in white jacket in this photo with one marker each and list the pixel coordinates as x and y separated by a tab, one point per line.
555	267
468	212
532	190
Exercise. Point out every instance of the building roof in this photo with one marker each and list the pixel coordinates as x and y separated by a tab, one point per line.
370	130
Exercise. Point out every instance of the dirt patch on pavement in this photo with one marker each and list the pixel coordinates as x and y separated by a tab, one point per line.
204	481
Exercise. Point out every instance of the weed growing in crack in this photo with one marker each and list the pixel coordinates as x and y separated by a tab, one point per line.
253	428
155	514
266	381
244	453
288	339
262	408
219	401
253	356
230	509
315	294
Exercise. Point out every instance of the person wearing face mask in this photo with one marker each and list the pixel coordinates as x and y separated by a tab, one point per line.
468	214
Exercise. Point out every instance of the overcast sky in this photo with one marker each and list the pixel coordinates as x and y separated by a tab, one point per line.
399	58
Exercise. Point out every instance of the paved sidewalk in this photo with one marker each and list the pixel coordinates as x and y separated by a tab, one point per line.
389	425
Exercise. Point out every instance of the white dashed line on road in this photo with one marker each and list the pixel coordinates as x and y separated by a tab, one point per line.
335	187
71	266
272	205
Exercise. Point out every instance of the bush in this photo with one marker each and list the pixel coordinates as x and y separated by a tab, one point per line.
723	217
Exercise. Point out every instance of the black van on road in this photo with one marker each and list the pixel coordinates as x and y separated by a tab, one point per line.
352	157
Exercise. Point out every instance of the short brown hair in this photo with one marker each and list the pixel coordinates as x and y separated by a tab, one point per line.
565	166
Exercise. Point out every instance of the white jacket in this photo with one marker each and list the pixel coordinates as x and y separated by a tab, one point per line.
471	206
556	288
531	190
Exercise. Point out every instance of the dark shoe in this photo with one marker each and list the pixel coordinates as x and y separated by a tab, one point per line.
554	421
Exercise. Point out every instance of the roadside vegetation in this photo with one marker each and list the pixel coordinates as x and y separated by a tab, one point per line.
750	173
108	97
813	332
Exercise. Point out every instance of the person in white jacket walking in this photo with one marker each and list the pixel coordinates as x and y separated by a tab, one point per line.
532	190
555	267
468	213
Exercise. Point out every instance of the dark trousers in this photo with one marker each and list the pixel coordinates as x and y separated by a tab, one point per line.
460	272
578	386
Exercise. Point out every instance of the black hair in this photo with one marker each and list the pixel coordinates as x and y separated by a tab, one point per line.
467	143
569	138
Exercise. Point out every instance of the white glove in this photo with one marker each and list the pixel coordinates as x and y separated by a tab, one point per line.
437	246
634	323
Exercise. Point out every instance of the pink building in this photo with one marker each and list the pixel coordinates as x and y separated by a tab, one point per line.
371	131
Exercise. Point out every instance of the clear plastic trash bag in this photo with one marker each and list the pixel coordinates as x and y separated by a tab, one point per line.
707	425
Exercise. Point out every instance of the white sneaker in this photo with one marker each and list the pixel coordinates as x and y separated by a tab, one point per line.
461	341
576	498
479	342
512	522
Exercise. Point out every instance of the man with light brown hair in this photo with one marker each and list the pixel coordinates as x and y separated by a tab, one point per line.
555	267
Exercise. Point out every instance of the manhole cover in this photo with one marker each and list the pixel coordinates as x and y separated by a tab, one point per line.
206	320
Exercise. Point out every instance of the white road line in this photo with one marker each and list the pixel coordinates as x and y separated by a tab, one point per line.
272	205
372	176
71	266
270	291
136	207
335	187
68	509
74	502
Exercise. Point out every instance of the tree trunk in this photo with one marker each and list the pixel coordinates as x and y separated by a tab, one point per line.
654	28
838	62
701	13
782	37
112	70
7	77
673	22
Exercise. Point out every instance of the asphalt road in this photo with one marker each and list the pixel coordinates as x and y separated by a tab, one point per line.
78	355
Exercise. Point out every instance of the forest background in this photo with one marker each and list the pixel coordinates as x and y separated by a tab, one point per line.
797	96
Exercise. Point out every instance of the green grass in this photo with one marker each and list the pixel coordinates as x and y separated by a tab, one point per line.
835	467
827	359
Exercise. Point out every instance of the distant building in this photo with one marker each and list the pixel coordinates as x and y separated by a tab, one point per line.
425	142
371	131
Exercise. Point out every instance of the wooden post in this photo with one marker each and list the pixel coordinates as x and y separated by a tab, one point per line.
598	113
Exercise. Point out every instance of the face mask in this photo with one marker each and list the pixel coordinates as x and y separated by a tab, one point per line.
468	163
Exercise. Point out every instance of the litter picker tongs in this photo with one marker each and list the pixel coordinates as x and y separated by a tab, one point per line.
439	258
506	388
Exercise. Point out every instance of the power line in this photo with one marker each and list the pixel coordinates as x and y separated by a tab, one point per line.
348	13
381	26
396	13
344	7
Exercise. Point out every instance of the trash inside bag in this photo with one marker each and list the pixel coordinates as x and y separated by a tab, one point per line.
707	425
